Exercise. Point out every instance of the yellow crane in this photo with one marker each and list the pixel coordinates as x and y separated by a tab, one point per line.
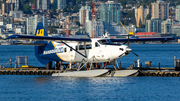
131	31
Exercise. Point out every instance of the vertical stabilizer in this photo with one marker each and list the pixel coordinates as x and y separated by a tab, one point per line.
40	31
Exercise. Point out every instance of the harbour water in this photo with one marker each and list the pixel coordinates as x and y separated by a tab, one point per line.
48	88
163	53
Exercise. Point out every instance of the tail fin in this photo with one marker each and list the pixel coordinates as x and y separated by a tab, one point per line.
40	31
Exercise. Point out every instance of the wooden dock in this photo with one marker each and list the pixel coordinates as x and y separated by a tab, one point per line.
28	72
160	73
163	72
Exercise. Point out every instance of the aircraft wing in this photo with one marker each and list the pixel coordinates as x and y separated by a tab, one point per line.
164	39
47	38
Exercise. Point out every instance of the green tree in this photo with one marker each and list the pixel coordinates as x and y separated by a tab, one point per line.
52	7
76	8
26	9
123	2
83	3
65	10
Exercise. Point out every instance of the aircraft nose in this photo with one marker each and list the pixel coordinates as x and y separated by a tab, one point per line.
128	49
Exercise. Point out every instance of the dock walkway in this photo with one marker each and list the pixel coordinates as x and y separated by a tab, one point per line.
29	72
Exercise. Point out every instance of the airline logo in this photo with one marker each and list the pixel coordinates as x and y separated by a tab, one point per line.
40	32
56	50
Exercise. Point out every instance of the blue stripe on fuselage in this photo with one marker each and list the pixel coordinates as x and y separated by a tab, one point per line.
50	52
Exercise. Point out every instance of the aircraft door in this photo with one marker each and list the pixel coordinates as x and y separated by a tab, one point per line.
98	51
82	49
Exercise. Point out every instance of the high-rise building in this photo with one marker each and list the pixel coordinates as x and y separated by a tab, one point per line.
140	15
7	7
33	21
115	29
175	30
110	12
96	26
177	14
51	1
160	10
153	25
16	2
60	4
43	4
85	14
166	26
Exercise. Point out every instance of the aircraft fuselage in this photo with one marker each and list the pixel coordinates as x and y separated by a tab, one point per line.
95	50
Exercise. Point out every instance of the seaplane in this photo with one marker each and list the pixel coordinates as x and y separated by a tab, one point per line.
79	50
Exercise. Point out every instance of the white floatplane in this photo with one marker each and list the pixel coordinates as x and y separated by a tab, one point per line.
79	50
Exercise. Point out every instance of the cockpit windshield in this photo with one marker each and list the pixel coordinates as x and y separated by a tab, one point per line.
106	42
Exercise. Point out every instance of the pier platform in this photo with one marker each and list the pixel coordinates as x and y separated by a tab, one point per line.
28	72
163	72
160	73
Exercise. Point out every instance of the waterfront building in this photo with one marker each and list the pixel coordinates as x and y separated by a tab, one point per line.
115	29
153	25
140	15
43	4
59	4
33	21
110	12
177	14
176	30
85	14
147	34
166	26
7	7
96	26
160	10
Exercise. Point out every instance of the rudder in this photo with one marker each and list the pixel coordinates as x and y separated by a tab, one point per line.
40	31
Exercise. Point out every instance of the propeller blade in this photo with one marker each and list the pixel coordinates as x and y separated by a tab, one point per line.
121	55
134	53
128	39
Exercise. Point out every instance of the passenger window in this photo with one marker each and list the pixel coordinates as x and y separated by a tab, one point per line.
88	47
76	47
81	47
64	49
96	44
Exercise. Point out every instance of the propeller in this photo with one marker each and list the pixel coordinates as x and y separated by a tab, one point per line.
131	49
135	54
121	54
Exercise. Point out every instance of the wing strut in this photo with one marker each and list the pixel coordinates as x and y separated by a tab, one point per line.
75	50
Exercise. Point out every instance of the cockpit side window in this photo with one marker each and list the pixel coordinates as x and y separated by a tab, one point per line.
64	49
96	44
104	41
